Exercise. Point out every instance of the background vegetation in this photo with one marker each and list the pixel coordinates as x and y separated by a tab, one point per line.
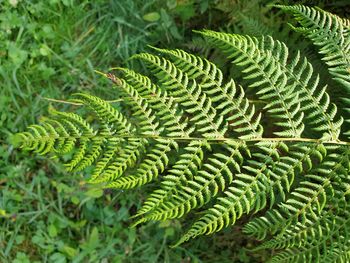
49	49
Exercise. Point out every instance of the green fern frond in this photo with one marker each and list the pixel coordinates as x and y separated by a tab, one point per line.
295	75
183	170
300	234
154	163
231	100
106	113
189	94
332	34
284	103
140	107
214	175
201	137
166	107
239	198
329	33
301	75
331	236
308	204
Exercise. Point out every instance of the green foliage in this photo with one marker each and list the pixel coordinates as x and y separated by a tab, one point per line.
332	35
202	137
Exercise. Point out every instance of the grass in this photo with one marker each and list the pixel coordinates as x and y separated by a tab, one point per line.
53	221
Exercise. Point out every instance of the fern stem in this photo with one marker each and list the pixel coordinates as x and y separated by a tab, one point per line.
126	99
209	140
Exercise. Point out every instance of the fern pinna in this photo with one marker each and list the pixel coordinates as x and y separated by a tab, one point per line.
202	138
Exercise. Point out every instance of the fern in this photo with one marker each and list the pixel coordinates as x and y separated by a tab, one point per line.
202	138
331	34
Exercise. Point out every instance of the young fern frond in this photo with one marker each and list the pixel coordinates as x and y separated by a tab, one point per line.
201	136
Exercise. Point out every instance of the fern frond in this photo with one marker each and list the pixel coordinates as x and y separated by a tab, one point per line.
334	236
201	137
166	107
282	173
231	99
154	163
127	158
107	116
317	232
207	74
141	109
284	103
332	34
184	169
298	75
189	94
86	133
317	107
306	202
214	175
62	131
64	143
156	160
300	234
239	198
106	113
329	33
